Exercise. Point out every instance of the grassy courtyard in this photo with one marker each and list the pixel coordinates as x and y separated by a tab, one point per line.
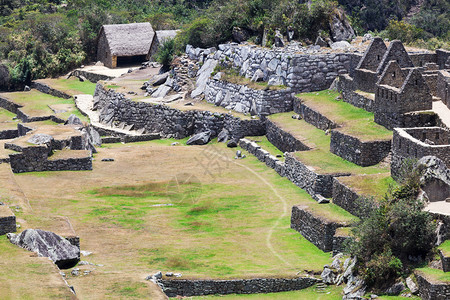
204	215
72	86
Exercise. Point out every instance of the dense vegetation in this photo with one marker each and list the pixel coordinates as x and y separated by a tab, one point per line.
395	236
40	38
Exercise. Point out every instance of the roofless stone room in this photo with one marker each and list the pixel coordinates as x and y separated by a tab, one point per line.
224	150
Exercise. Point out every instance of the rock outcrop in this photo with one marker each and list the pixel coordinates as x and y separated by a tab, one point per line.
47	244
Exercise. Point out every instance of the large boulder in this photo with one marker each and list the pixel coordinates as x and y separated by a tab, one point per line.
343	45
340	27
40	139
73	120
203	75
435	180
201	138
47	244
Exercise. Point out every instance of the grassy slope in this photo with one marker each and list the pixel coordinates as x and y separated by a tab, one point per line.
354	121
25	276
374	185
6	120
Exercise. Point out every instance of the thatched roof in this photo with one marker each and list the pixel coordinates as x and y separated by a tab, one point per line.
129	39
165	35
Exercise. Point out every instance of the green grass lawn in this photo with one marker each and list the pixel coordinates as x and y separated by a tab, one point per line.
266	145
36	103
72	86
325	162
23	276
6	120
354	121
445	248
435	275
375	185
311	293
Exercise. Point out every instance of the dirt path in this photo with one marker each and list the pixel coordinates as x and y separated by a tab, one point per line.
442	111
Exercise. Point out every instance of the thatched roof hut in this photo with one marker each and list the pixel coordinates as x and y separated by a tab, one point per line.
124	43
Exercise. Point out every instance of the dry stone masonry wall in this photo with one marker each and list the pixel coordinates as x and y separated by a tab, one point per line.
169	122
359	152
314	228
244	99
283	140
432	291
189	288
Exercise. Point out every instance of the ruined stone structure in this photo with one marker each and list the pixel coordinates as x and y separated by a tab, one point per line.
419	142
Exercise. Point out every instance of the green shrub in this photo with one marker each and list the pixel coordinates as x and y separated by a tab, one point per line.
165	53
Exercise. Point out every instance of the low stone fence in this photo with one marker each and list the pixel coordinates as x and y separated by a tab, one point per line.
316	229
9	134
283	140
306	178
407	120
7	220
419	142
263	155
8	105
445	261
44	88
244	99
313	117
432	291
36	159
92	77
28	119
189	288
358	152
169	122
346	86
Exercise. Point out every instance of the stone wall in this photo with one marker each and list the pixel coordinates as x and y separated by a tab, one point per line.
432	291
169	122
188	288
347	198
415	143
442	57
339	242
36	159
8	134
263	155
407	120
358	152
306	178
314	228
43	88
313	117
7	220
92	77
8	105
445	261
283	140
244	99
443	87
301	72
346	86
421	59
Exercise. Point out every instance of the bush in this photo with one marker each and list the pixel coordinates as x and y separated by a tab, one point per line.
396	234
166	52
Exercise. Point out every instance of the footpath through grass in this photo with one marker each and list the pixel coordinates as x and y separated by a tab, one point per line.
354	121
